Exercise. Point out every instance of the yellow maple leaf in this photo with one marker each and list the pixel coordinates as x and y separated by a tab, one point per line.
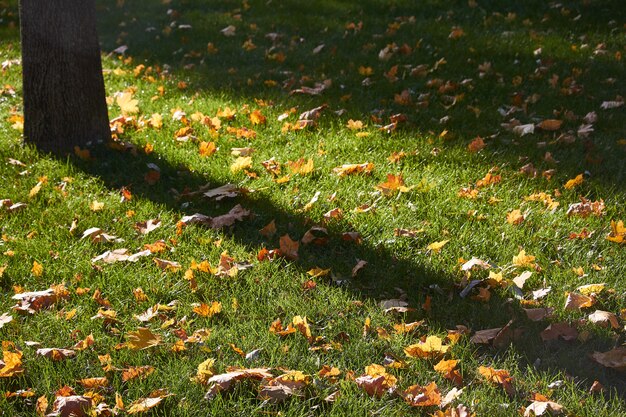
241	163
204	372
257	118
142	338
618	232
156	121
432	347
437	246
37	269
127	104
355	124
207	148
206	310
521	259
574	182
515	217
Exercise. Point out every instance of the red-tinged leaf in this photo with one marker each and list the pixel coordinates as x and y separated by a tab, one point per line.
586	208
476	145
269	230
418	396
550	125
377	383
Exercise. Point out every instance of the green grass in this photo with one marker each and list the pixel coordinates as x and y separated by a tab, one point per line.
437	164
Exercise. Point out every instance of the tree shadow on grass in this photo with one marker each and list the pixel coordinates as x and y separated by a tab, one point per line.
386	275
271	52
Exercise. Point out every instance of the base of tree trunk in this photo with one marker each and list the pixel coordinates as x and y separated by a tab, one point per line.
64	96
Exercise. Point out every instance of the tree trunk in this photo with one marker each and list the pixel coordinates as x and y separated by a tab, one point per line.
64	98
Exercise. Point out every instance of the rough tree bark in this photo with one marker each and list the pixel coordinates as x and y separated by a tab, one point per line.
64	97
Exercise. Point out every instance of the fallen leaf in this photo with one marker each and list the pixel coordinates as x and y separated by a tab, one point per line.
56	354
141	339
604	319
135	372
289	247
576	301
539	408
432	347
71	406
437	246
523	260
418	396
498	376
614	358
561	330
223	382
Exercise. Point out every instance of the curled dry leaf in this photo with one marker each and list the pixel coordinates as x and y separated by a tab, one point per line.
559	330
604	319
71	406
289	247
475	263
349	169
144	404
418	396
586	208
135	372
376	381
223	382
615	358
146	227
539	408
538	314
576	301
4	319
31	302
56	354
498	376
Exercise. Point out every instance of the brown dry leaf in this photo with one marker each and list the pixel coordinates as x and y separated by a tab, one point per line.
447	368
237	213
586	208
550	124
561	330
31	302
269	230
604	319
538	314
432	347
576	301
206	149
277	328
376	381
71	406
223	382
498	376
144	404
85	343
539	408
56	354
359	265
135	372
302	325
418	396
335	213
349	169
289	247
141	339
167	265
515	217
476	145
41	406
147	226
615	358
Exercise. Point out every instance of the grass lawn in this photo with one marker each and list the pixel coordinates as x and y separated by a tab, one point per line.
469	261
